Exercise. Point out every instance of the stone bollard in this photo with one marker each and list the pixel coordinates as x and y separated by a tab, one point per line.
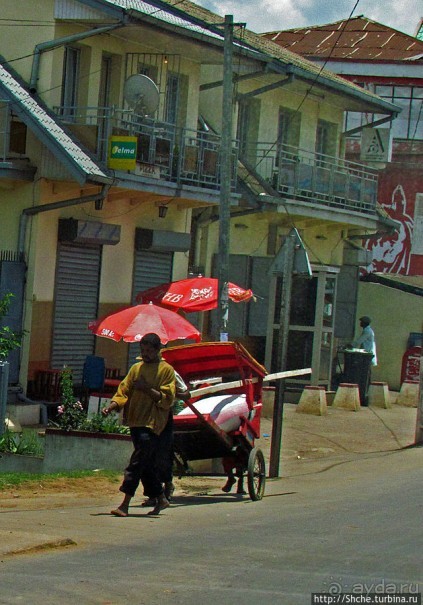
347	397
313	401
379	395
409	394
268	401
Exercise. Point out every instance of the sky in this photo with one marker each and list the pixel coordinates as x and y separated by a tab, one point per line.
270	15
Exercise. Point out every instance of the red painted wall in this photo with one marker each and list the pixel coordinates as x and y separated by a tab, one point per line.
398	186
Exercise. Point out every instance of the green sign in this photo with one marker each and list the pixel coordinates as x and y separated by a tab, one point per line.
122	152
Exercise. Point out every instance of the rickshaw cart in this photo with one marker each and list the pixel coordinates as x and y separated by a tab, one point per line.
196	435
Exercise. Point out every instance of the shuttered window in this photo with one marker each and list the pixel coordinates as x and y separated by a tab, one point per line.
150	269
76	303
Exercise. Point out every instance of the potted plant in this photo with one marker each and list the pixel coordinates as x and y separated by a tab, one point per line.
74	441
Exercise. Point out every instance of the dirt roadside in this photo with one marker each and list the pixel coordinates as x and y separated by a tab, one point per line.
309	444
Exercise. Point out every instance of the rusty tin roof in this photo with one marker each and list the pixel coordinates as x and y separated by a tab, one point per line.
357	39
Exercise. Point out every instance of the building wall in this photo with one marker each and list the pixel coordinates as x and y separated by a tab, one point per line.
394	315
116	273
399	186
290	97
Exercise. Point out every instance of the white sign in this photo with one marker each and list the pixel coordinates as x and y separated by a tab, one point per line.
376	145
148	170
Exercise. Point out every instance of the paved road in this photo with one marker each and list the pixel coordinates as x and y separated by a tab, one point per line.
356	523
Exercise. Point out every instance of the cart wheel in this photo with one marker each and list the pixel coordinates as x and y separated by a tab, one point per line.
256	474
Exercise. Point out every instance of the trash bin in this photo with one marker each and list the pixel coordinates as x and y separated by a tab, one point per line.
357	365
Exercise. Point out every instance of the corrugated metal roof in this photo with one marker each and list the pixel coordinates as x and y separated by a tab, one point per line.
355	39
255	42
51	133
163	15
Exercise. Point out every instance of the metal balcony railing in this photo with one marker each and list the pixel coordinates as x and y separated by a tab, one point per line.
181	155
315	178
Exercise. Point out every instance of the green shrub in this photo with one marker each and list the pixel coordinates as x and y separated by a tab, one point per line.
9	340
26	443
104	424
72	416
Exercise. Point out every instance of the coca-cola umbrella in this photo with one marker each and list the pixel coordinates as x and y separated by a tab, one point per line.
131	323
192	294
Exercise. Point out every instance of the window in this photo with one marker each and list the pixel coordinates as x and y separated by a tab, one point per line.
289	123
326	138
289	127
70	78
408	124
172	98
247	129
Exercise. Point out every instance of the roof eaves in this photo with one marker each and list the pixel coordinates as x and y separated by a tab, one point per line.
44	123
343	86
397	282
111	9
196	20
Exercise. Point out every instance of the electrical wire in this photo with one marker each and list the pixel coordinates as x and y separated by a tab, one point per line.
309	90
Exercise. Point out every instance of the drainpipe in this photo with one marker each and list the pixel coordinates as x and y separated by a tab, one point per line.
33	210
51	44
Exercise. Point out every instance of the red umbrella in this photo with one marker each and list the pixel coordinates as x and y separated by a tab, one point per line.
193	294
131	323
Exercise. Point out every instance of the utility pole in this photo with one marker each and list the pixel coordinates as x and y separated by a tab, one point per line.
419	420
275	446
291	259
225	177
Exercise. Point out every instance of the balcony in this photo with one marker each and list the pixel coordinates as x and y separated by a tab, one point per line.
165	152
315	179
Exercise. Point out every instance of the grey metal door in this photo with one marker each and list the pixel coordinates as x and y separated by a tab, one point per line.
75	304
150	269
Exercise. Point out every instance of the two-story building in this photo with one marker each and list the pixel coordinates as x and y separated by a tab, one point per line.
389	63
110	168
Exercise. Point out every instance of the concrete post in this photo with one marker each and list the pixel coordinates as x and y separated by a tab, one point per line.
4	383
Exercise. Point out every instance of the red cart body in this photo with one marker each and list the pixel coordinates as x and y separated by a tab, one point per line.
197	436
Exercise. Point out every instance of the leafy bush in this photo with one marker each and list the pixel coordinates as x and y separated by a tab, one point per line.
26	443
9	340
104	424
71	413
72	416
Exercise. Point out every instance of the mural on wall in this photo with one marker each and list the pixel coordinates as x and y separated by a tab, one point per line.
393	253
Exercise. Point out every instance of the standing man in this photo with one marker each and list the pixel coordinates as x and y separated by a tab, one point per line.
366	340
149	391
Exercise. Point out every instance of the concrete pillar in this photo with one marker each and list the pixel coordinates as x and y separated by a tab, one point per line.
379	395
268	401
409	393
347	397
313	401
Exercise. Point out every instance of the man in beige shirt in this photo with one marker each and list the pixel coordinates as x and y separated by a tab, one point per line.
149	391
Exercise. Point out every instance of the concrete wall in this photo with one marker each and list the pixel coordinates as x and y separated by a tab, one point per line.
90	451
394	315
67	452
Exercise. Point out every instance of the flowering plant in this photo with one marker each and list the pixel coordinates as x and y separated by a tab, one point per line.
71	413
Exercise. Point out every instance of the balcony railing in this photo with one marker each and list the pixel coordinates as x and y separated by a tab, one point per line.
315	178
182	155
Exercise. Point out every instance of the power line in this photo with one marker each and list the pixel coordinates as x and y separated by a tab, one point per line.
307	93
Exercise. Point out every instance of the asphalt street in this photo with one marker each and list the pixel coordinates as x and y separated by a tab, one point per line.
344	515
354	525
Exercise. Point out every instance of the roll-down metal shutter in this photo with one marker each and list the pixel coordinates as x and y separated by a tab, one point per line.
150	269
76	303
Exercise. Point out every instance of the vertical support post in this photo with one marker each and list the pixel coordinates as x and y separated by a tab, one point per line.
419	419
4	383
288	264
225	178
